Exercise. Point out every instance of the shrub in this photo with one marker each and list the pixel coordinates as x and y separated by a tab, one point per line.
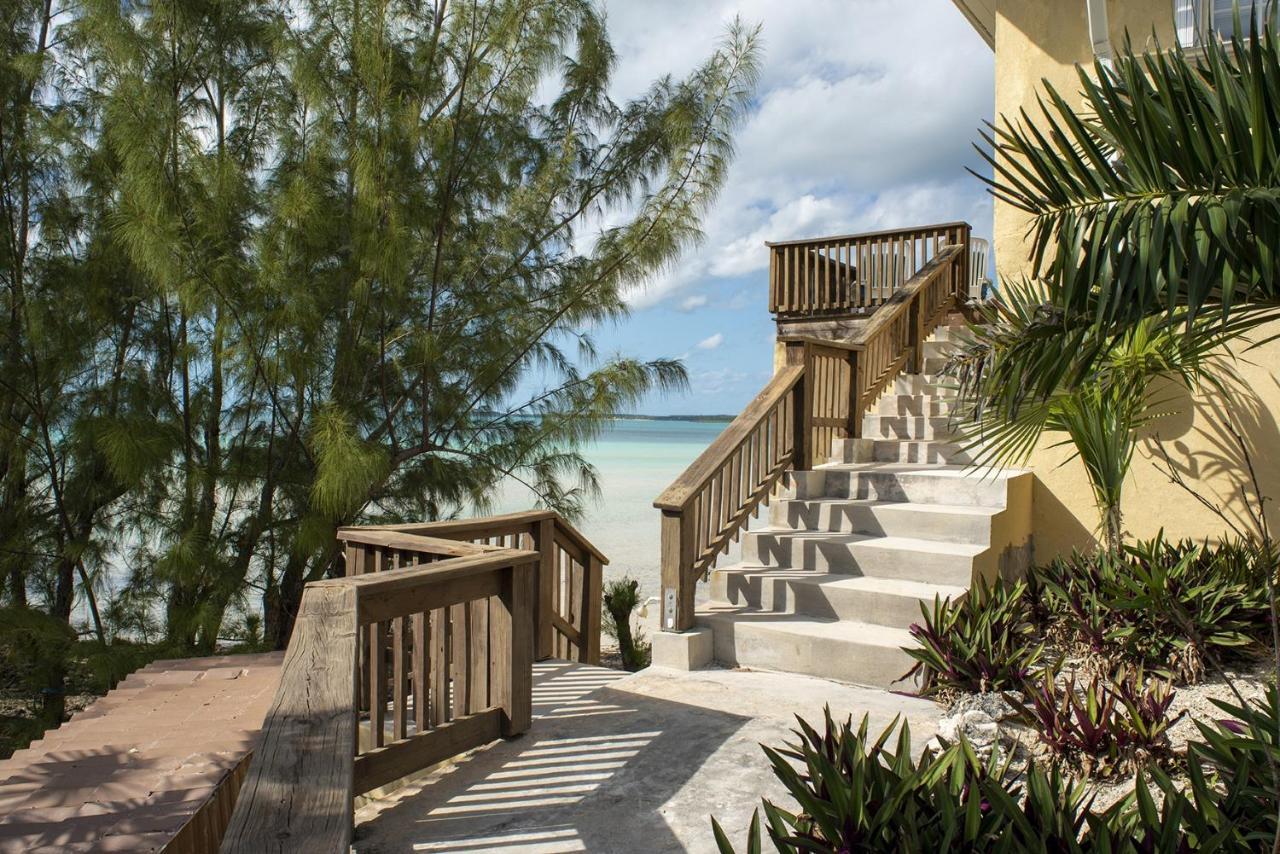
1165	606
858	794
1244	749
855	794
621	598
983	642
1104	726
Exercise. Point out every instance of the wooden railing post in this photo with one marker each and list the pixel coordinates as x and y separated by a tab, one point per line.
677	560
511	662
589	650
544	542
855	394
800	354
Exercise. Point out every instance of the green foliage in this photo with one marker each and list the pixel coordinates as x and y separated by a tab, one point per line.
1166	606
982	642
620	599
1016	348
1103	727
267	271
854	794
1154	198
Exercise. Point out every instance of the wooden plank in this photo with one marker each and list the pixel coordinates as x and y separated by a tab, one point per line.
478	658
411	542
544	544
511	631
439	627
460	654
297	795
421	689
591	611
421	751
867	235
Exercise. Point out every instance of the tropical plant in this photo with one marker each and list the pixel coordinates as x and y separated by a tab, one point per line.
858	794
1151	195
1104	726
984	641
853	794
620	599
1100	420
1166	606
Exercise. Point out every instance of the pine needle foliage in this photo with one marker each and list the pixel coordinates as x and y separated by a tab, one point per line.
275	267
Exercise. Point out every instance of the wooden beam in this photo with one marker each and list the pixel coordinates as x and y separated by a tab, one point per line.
388	764
298	793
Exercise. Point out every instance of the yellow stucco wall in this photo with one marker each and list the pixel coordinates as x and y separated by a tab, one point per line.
1034	40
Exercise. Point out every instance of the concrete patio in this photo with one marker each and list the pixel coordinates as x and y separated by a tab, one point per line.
622	762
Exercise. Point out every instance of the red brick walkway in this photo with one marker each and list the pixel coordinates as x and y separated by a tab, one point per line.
129	772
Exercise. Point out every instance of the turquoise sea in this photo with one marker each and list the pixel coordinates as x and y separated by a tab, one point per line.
636	461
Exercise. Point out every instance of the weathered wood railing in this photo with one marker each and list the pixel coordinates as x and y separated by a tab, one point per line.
821	393
423	651
852	274
569	574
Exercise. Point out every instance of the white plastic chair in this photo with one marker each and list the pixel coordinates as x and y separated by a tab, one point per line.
979	283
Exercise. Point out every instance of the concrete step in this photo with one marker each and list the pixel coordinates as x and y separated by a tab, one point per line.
919	484
900	451
915	405
939	349
880	601
904	558
946	522
936	364
881	426
931	385
857	653
957	334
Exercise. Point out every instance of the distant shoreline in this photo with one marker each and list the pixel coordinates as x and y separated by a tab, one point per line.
703	419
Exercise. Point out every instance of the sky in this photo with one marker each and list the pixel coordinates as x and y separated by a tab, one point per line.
863	120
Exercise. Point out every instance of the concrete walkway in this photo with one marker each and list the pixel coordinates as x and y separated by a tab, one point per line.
621	763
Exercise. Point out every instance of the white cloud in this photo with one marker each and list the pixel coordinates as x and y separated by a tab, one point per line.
693	301
711	342
864	119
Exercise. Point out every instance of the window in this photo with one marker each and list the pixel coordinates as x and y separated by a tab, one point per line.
1198	20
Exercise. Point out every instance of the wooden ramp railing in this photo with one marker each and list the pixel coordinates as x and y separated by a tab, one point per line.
821	393
853	273
423	651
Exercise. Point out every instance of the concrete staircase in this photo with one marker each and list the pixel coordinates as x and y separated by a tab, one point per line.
852	548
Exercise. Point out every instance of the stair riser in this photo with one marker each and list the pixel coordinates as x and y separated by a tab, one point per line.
900	451
743	645
914	405
881	520
823	601
925	384
918	488
906	428
784	552
936	364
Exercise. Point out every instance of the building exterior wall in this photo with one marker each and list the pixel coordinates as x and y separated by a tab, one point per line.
1037	40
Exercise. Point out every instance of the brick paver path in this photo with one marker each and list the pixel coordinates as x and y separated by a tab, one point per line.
128	772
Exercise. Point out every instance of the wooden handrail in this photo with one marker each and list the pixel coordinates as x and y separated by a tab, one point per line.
570	575
820	394
708	505
469	684
852	274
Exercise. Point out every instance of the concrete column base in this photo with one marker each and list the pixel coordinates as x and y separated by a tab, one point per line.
691	650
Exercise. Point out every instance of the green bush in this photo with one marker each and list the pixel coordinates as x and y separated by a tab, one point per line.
621	598
854	794
983	642
1166	606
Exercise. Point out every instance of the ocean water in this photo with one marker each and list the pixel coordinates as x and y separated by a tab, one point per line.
636	461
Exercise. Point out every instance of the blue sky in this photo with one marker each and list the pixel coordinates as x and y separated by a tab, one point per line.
864	119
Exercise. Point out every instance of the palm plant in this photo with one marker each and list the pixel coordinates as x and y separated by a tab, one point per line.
1017	342
1160	198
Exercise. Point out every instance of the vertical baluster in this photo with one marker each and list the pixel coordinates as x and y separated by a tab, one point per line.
576	573
421	700
826	277
439	625
377	668
774	301
478	695
399	674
